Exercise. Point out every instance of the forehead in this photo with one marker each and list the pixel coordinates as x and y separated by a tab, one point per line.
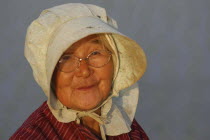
91	41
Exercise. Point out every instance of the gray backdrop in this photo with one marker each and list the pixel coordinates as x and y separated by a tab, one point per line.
175	34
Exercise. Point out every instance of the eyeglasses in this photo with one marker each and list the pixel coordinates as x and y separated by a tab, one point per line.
97	59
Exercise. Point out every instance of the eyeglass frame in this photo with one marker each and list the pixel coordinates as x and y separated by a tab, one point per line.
86	59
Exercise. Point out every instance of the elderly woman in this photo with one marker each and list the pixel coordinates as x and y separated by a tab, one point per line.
88	71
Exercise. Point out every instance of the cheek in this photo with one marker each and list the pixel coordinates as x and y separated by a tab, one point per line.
63	89
63	80
106	77
63	97
62	84
105	87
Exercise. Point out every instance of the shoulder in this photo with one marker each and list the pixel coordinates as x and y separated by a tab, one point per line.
137	131
33	126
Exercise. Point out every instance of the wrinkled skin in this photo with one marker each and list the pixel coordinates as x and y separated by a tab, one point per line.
86	87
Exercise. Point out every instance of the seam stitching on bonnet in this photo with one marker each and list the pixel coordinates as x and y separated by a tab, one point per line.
89	10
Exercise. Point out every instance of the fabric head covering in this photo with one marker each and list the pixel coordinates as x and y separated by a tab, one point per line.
57	28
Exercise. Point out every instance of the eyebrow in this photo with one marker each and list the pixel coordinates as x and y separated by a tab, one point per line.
96	41
71	51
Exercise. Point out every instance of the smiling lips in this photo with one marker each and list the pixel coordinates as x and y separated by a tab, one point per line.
86	87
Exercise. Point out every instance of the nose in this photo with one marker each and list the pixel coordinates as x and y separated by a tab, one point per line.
83	70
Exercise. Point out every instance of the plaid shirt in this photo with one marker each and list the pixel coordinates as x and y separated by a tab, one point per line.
42	125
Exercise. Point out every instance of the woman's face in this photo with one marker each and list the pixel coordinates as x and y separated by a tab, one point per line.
86	87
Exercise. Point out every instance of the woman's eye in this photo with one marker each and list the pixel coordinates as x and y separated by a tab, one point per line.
95	53
66	58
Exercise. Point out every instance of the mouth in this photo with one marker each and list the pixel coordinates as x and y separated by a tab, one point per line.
84	88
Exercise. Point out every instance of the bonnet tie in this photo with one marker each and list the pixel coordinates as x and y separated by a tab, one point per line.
99	119
102	120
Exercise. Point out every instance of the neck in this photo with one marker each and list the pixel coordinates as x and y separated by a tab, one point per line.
92	124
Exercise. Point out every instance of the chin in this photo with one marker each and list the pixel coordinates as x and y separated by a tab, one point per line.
89	106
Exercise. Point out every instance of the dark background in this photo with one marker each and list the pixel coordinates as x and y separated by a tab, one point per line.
175	91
